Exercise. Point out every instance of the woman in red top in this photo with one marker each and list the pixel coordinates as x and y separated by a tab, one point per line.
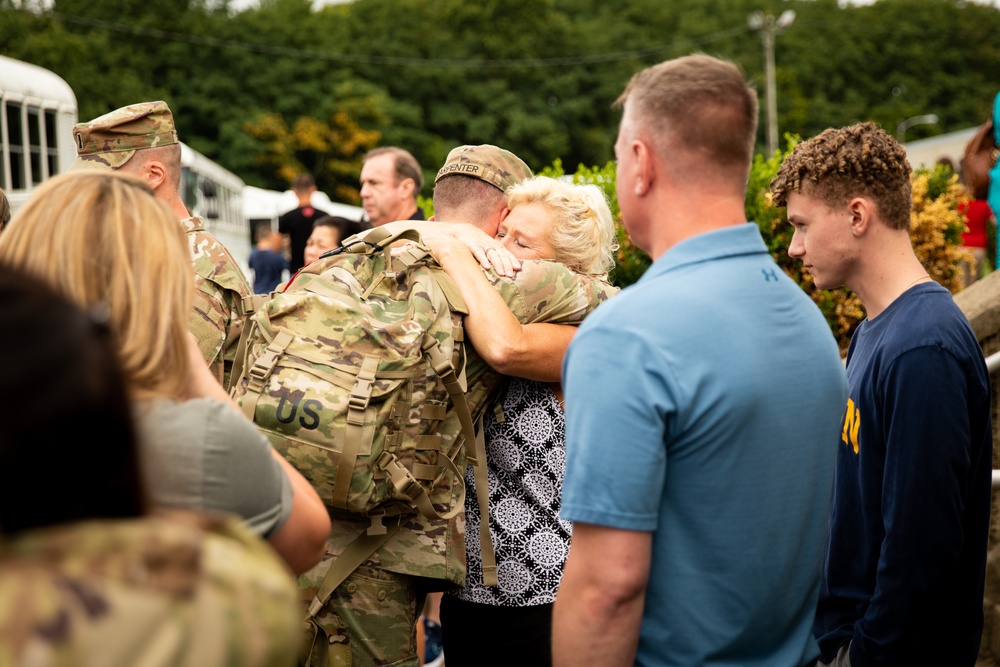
977	215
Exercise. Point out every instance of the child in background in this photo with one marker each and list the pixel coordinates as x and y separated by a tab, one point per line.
267	260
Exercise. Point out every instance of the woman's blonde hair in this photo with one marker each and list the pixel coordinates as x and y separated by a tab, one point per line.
105	241
581	229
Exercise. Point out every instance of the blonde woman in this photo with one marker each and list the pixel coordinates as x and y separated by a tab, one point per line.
105	241
88	575
565	222
572	224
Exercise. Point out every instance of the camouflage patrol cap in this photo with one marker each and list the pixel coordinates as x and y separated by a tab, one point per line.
496	166
108	142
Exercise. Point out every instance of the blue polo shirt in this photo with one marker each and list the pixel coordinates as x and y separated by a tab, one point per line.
704	405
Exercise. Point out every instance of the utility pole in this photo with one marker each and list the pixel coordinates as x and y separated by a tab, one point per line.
769	28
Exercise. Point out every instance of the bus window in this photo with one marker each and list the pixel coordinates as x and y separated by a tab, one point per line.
189	186
37	115
35	144
210	192
15	144
51	142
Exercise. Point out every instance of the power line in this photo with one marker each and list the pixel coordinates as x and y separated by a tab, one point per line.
268	49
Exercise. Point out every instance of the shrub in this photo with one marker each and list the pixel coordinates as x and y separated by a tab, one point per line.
936	226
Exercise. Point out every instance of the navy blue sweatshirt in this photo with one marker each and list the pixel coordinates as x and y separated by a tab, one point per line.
905	565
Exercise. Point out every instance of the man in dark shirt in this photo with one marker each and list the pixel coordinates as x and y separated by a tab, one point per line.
297	224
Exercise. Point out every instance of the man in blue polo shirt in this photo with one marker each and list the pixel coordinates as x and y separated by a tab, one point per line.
702	403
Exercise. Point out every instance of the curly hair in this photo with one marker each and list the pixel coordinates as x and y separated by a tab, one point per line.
582	230
841	163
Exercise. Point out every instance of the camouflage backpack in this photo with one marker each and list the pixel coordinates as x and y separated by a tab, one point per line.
356	374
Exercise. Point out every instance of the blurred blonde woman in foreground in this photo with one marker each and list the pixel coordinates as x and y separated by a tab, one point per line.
88	575
104	240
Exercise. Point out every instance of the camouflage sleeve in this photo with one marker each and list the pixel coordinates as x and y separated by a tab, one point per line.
545	291
209	322
216	320
202	590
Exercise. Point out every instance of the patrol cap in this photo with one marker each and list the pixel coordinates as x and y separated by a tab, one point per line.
496	166
108	142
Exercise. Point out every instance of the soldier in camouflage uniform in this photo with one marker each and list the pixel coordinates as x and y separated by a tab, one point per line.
140	139
370	618
86	576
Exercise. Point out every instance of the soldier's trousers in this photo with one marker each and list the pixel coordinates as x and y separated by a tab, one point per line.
369	621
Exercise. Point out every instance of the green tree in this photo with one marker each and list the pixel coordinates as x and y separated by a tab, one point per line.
331	150
538	77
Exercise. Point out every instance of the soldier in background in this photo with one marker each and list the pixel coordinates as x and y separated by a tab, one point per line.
96	579
140	139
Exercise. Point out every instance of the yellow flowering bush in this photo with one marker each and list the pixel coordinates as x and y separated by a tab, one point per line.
936	225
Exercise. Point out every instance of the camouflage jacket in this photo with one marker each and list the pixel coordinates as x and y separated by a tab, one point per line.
172	590
220	286
543	291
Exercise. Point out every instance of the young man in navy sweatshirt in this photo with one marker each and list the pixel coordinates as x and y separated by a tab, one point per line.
906	555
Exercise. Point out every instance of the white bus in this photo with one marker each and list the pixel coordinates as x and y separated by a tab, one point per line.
215	194
37	114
